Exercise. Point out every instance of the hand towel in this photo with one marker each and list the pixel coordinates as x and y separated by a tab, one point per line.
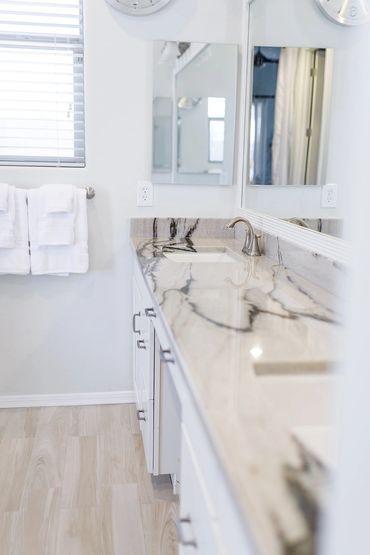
16	260
57	215
64	259
4	191
7	221
56	229
58	198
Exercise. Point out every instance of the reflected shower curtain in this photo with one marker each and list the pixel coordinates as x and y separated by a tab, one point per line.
292	114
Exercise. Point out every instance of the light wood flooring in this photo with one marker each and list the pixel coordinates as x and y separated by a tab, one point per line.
73	482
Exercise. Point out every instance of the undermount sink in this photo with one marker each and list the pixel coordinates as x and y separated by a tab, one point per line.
292	367
209	255
299	393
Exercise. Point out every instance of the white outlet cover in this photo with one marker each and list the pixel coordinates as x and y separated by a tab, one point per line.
329	195
144	193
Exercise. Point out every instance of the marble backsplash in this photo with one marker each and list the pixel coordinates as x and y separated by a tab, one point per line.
181	228
318	269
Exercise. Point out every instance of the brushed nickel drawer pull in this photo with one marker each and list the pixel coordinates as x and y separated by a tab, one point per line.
150	312
180	533
165	356
136	315
140	415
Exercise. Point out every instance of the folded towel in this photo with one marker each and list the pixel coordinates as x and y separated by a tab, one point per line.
58	198
56	229
4	191
56	215
16	260
7	221
64	259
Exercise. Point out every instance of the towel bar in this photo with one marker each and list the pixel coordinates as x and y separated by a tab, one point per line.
90	193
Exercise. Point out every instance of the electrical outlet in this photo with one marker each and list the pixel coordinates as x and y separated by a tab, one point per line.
329	195
144	193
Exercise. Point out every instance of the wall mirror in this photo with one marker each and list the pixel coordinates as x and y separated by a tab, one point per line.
289	115
285	180
194	113
288	135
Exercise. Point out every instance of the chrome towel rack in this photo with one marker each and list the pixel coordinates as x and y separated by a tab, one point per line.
90	193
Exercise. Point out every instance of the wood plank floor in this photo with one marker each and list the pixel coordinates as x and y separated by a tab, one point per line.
73	482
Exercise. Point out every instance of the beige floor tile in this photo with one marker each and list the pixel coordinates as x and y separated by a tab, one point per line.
73	481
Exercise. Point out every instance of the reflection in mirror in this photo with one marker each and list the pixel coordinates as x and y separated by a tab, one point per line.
289	115
328	226
194	112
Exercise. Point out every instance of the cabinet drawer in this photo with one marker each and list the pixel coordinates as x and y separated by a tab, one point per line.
196	527
145	416
142	344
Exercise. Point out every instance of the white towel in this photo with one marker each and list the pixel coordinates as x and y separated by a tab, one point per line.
4	191
58	198
57	215
16	260
57	260
7	222
56	229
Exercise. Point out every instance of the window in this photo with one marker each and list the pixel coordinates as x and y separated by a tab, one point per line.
216	129
41	83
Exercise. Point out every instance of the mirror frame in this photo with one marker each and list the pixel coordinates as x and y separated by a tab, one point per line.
333	248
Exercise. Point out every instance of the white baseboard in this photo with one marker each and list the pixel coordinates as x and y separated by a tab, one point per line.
67	399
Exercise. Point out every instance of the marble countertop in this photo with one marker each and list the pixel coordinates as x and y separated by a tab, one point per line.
257	341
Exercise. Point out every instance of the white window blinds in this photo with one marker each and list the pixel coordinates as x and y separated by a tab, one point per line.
41	83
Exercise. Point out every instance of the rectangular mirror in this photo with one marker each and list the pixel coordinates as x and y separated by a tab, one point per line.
289	115
194	113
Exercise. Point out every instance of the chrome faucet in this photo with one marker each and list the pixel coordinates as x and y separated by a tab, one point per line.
251	246
298	221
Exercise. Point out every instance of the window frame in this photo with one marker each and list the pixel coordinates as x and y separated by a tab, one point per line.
77	46
210	121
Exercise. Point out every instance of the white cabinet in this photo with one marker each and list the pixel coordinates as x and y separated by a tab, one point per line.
143	355
167	415
197	530
158	407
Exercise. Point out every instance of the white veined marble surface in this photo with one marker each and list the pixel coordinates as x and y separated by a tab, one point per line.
257	341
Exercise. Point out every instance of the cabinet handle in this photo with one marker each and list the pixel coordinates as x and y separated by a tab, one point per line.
150	312
180	534
140	415
164	355
134	323
140	344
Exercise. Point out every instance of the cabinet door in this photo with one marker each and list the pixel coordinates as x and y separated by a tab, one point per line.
143	370
197	531
146	427
167	416
138	344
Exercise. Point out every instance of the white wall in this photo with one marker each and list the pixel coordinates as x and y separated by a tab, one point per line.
293	23
348	530
73	334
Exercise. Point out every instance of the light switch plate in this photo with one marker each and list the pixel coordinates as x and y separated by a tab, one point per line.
144	193
329	196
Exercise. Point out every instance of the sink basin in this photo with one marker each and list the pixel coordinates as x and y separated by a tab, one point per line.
210	255
298	392
292	367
